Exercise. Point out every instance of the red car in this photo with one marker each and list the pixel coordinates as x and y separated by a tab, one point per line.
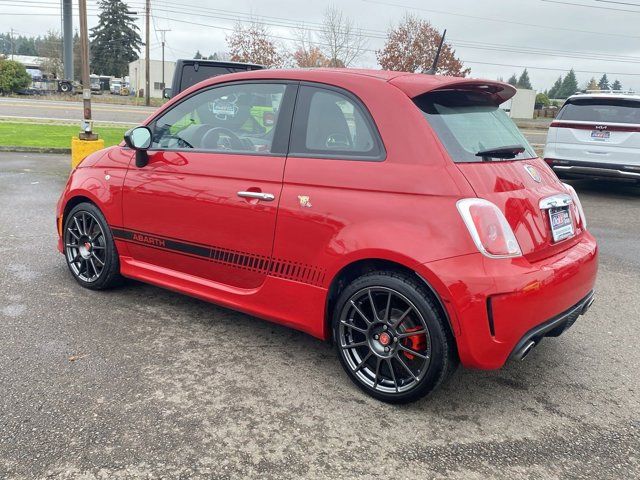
401	216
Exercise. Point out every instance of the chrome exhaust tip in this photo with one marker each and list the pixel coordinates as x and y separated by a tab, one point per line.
526	350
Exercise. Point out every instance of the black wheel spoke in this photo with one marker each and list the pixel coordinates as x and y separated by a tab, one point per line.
393	375
361	364
411	334
406	367
397	323
413	352
373	306
353	327
355	345
377	373
364	317
387	310
95	257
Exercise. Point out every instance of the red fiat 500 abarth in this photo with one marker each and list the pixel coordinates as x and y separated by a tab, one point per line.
402	216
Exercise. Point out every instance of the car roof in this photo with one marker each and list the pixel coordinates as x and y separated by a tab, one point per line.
412	84
605	95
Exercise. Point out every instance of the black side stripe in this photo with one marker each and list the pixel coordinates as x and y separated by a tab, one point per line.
274	267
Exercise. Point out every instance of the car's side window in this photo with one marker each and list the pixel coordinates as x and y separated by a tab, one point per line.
331	124
238	118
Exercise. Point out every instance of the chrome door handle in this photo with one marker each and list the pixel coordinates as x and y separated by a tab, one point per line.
267	197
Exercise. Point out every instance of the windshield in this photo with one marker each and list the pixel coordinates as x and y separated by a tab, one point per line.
468	123
601	110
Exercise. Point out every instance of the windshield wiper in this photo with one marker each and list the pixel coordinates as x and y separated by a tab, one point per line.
506	152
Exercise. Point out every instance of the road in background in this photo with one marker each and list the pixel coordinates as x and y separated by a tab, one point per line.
142	382
71	111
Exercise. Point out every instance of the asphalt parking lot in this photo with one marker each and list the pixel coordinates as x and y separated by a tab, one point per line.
142	382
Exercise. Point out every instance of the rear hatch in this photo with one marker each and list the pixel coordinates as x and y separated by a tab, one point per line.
598	129
502	167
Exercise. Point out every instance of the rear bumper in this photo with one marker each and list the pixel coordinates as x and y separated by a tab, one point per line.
495	304
605	171
551	328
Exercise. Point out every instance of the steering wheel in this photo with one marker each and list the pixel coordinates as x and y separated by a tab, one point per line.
234	142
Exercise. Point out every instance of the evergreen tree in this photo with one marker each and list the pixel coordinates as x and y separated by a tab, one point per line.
616	85
513	80
603	84
569	85
523	81
198	55
115	41
553	93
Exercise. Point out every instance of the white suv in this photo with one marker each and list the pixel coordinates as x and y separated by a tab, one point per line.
596	135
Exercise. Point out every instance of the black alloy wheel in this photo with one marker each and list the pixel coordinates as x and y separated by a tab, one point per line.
390	339
89	248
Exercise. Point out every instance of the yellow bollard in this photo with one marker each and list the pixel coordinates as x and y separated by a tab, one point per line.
81	148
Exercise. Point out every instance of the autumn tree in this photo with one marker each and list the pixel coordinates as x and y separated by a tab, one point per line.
592	85
341	41
252	44
411	47
306	53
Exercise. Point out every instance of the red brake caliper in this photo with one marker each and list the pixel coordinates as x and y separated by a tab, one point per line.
417	343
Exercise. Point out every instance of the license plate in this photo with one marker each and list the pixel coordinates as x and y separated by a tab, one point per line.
600	135
561	223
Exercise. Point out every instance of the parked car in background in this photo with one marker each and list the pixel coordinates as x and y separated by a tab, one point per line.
115	87
190	71
402	216
596	135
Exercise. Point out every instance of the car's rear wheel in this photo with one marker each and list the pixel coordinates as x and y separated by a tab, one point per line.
89	248
390	337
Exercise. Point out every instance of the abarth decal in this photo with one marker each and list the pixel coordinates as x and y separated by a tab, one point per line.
274	267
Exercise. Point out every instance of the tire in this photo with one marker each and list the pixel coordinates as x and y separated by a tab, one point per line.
400	351
89	248
65	87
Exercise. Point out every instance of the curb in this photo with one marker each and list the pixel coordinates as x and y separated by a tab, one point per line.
61	151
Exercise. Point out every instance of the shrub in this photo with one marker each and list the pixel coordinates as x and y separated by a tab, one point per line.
13	76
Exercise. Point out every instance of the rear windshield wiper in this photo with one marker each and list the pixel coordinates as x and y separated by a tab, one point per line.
507	152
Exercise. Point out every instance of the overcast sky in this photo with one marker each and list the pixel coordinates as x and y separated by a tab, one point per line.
495	38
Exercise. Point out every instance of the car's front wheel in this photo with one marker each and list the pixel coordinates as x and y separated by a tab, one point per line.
89	248
390	338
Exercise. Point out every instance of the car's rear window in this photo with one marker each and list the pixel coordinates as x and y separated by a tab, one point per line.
601	110
470	122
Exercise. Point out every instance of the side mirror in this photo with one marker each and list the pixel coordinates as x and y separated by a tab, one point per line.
139	139
166	93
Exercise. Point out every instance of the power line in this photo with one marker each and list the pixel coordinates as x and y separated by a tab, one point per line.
501	20
609	9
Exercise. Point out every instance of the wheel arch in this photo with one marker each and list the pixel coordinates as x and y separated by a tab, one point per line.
74	201
357	268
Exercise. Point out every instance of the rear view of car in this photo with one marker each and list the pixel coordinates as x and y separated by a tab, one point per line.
596	136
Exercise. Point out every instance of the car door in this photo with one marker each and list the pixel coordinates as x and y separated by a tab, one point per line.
206	203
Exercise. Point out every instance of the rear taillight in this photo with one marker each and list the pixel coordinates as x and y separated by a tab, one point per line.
578	204
489	229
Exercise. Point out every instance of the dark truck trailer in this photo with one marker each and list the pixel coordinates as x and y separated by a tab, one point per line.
188	72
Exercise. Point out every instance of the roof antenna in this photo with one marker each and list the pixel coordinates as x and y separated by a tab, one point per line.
434	67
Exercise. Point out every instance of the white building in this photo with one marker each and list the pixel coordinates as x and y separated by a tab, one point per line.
137	75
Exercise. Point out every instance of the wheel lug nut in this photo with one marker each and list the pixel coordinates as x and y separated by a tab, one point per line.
376	337
386	349
395	339
384	327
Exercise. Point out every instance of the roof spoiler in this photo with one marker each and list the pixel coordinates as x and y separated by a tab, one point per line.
434	67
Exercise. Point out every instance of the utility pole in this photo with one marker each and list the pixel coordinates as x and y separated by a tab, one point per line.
147	63
87	127
12	44
163	34
67	38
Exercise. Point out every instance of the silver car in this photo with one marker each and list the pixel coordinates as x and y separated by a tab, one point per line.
596	135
